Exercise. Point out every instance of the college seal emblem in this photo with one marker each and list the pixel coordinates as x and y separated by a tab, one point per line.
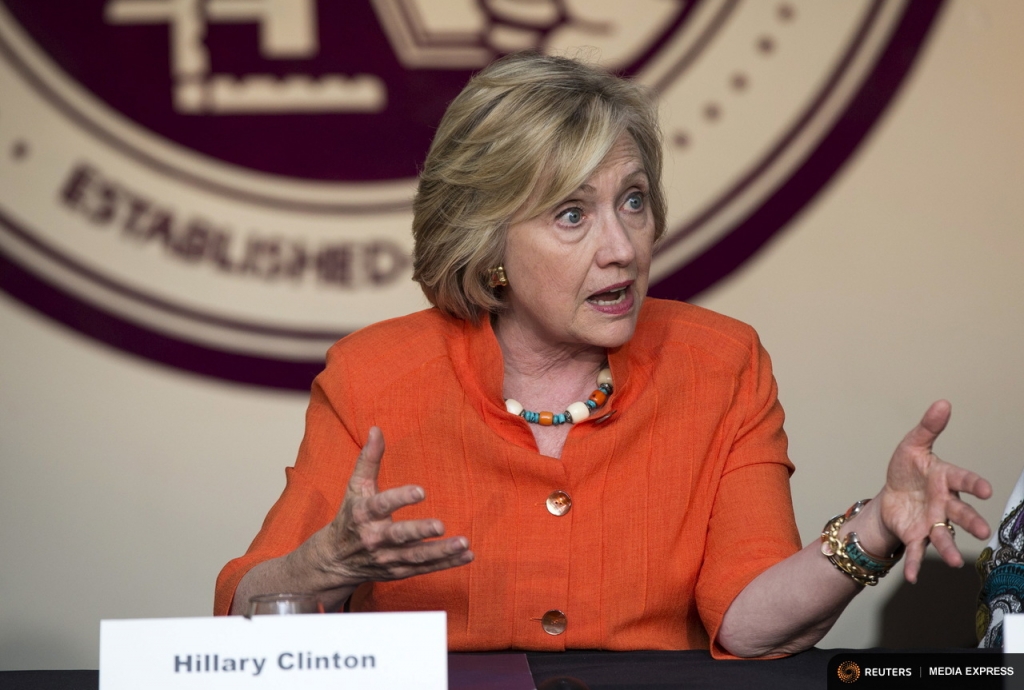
224	186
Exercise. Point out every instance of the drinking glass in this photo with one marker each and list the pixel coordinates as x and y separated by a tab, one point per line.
283	603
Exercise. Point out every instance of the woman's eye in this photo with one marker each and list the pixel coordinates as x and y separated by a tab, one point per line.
572	216
635	201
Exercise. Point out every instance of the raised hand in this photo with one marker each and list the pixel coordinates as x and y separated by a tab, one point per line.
361	544
921	491
364	543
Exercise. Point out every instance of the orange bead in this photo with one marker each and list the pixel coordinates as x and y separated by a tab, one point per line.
598	397
546	418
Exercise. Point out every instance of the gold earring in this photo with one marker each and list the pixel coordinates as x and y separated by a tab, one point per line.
498	278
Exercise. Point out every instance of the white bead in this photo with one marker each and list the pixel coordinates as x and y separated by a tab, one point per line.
513	406
578	412
604	377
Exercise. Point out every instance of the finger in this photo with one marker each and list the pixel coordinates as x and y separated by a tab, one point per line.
931	425
364	477
942	540
977	485
410	570
964	480
912	564
408	531
965	515
420	554
381	506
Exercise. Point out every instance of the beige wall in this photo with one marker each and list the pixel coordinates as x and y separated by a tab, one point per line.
124	486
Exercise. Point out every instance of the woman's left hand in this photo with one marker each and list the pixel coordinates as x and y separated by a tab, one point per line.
922	491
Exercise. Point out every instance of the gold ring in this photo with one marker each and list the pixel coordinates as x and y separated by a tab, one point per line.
952	532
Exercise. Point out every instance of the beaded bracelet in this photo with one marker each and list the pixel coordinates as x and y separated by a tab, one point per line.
850	556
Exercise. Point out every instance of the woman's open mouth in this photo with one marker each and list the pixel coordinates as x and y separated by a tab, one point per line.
614	300
609	298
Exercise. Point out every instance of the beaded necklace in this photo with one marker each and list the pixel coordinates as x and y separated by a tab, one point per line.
575	413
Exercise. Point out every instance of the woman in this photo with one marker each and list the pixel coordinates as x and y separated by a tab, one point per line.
649	508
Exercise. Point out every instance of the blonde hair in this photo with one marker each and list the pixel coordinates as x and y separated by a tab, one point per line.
521	136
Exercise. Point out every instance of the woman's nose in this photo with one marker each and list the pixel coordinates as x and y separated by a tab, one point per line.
616	242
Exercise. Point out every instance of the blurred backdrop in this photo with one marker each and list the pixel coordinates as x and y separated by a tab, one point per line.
198	196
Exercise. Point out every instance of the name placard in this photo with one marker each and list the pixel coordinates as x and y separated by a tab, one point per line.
1013	633
362	651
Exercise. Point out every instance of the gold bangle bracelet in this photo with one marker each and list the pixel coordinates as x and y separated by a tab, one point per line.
862	567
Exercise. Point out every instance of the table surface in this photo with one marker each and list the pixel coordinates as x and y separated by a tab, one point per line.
693	670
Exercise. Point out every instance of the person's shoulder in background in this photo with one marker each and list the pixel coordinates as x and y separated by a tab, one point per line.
1001	567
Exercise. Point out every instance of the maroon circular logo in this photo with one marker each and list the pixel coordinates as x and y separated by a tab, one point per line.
320	91
224	185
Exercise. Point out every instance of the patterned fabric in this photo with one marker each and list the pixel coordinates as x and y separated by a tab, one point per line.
1001	567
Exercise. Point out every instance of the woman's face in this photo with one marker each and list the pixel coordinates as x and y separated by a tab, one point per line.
578	272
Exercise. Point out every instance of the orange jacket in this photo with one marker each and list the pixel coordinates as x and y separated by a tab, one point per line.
679	498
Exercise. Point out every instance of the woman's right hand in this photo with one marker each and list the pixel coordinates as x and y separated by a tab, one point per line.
361	544
364	544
